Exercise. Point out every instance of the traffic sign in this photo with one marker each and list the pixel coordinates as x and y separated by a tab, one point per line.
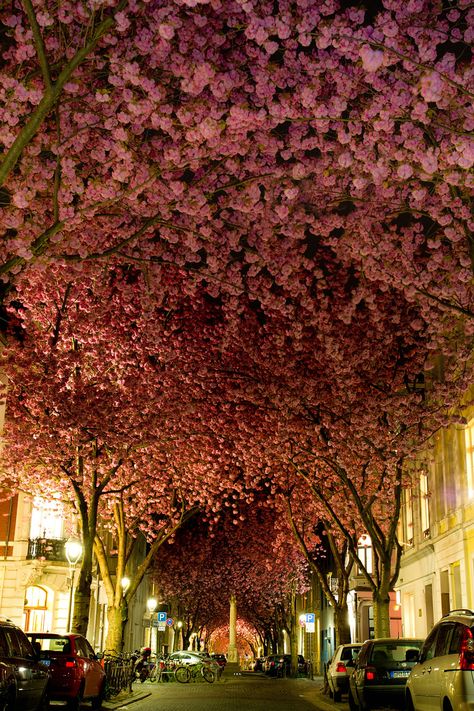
309	621
170	622
162	616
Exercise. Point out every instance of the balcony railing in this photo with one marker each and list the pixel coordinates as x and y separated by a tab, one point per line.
46	549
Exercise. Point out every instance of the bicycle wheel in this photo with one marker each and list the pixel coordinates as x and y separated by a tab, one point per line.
208	674
182	674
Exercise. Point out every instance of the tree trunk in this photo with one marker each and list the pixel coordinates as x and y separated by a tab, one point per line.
82	601
341	624
381	603
116	618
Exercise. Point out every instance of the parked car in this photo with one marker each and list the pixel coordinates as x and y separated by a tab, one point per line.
443	678
185	656
258	663
270	664
283	665
340	667
221	659
381	671
24	681
75	671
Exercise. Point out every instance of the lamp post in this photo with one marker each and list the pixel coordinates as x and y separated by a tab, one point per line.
125	584
180	629
73	549
152	604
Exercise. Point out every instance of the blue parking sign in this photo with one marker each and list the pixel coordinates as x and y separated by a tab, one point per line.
162	616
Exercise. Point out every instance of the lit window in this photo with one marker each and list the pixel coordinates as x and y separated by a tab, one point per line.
424	504
364	552
46	518
408	517
469	438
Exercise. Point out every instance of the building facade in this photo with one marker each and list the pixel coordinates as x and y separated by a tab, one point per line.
37	582
437	531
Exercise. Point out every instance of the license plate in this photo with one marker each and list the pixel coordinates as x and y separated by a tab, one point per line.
46	662
399	674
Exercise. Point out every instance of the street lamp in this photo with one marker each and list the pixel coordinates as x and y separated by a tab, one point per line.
73	549
125	583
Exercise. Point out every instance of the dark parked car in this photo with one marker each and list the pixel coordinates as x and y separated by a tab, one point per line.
381	671
221	659
283	665
76	673
24	681
258	664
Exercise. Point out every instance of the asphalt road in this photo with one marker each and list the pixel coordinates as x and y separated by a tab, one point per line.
234	692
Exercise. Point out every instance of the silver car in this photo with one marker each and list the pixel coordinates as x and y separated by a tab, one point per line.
443	678
186	657
340	667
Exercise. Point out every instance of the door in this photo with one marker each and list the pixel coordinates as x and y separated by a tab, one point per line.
420	677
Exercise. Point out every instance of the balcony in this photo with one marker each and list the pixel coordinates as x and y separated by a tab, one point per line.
46	549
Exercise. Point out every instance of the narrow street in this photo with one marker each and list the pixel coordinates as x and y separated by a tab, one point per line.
234	692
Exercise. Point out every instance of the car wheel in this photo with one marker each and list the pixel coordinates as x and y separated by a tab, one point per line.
7	702
96	701
75	703
352	704
409	702
44	702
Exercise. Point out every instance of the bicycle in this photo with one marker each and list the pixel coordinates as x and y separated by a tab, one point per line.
184	674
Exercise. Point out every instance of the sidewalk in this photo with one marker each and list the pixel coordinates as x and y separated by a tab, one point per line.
125	698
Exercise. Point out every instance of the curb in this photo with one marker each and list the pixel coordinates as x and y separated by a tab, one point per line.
124	700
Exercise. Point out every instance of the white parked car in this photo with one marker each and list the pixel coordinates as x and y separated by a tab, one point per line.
443	678
186	657
340	667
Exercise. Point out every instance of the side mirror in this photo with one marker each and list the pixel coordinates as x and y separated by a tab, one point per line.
412	655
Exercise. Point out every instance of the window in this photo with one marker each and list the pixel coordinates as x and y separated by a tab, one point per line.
36	616
47	518
429	646
408	516
364	552
444	639
424	505
469	442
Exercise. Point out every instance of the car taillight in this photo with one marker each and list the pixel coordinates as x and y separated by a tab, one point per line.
370	673
67	662
340	667
466	656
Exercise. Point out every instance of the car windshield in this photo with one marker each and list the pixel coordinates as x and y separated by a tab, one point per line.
53	644
390	652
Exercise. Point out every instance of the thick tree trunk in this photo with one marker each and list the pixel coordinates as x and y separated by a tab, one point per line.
82	601
116	618
341	624
381	603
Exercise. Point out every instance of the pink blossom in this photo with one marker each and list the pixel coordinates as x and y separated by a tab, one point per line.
372	59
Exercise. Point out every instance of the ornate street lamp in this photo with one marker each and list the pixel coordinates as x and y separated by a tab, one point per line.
73	549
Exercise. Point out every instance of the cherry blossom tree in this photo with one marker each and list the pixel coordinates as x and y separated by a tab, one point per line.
238	142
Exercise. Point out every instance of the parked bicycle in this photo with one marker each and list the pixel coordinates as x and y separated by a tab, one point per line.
185	674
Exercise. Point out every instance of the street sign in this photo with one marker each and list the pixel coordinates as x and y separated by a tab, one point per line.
309	621
161	626
170	622
162	616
